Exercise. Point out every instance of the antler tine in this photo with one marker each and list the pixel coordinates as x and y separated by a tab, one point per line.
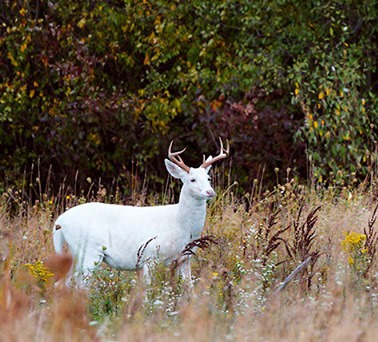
175	158
223	153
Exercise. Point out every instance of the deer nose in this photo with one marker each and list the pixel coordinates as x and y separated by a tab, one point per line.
210	193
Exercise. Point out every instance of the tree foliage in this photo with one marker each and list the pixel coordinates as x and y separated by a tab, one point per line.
338	97
98	86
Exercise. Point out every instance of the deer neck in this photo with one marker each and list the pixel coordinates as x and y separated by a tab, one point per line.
191	215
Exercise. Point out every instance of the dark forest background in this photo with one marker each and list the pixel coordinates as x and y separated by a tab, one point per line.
99	88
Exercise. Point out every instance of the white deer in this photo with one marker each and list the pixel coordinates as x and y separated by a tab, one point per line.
127	237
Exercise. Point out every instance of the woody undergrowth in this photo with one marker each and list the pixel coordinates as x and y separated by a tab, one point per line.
264	260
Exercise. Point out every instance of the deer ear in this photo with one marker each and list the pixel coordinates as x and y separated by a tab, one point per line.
174	170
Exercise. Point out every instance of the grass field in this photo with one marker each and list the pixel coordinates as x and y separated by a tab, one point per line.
259	241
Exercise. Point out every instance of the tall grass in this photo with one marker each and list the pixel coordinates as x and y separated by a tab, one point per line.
257	241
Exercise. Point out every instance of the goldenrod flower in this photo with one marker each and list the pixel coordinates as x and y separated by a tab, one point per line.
352	241
39	271
353	244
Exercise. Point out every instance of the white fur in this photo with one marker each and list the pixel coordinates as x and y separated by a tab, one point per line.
97	232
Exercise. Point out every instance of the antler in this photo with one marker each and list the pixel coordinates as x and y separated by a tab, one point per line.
174	157
223	153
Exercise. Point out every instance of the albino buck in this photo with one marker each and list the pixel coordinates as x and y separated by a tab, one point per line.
127	237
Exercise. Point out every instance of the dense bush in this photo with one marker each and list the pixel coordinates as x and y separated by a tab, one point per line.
337	98
100	87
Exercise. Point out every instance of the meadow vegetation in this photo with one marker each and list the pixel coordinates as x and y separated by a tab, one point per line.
254	244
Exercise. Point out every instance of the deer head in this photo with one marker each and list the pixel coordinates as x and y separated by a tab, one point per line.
196	180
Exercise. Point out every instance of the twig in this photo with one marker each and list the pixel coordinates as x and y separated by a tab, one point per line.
292	275
202	243
141	250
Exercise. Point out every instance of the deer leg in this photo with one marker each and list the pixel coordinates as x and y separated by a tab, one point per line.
183	270
146	274
85	267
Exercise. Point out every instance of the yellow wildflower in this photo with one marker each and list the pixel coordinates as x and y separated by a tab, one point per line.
39	271
352	241
350	260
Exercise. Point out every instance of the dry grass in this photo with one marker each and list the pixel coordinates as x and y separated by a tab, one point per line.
334	297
